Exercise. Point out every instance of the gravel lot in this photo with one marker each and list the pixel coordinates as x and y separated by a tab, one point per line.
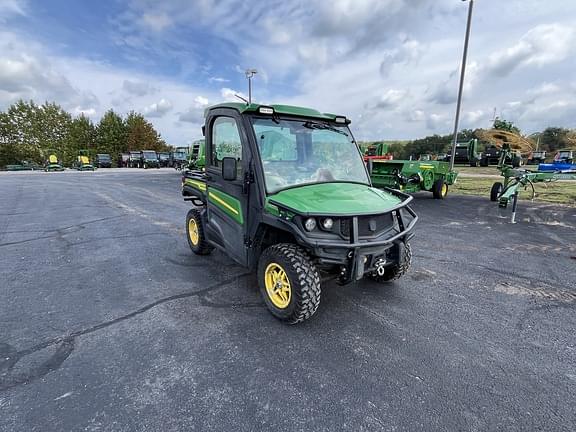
108	322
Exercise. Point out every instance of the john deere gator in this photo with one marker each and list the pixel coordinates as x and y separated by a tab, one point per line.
285	192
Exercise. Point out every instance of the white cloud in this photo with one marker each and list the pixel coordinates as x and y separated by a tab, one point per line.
156	22
436	121
229	95
389	65
11	7
542	45
218	79
158	109
138	88
391	98
195	113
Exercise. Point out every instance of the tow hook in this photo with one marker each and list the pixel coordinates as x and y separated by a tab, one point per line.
380	266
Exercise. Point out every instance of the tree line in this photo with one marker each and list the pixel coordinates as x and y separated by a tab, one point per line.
29	132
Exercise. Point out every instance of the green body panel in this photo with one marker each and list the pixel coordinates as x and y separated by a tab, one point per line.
385	173
335	199
279	109
227	203
197	155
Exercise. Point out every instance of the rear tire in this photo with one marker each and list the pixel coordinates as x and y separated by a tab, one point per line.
195	233
496	191
439	189
397	270
289	282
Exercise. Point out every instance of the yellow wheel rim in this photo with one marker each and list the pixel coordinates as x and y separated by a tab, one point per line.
444	189
193	231
277	285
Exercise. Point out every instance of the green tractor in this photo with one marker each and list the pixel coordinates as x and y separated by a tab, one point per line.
52	162
83	162
285	192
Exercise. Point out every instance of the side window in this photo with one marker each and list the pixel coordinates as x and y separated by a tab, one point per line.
226	142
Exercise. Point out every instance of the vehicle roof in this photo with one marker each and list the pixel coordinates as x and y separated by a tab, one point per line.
279	109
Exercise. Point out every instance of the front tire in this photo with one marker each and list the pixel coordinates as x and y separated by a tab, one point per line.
289	282
440	189
496	191
195	233
397	270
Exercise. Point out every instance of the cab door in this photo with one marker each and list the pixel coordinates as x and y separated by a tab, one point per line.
226	202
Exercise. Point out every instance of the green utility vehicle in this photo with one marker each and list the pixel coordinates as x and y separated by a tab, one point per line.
179	158
134	159
285	192
164	159
149	159
413	176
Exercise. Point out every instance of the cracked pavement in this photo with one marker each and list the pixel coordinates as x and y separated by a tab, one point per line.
108	321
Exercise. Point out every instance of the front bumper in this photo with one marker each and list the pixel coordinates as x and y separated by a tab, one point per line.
358	256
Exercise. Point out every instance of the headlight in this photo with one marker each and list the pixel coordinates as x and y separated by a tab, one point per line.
327	224
310	224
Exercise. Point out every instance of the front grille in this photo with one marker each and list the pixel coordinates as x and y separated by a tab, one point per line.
368	226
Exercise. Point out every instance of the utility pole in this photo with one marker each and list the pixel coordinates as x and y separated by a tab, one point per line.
461	87
249	74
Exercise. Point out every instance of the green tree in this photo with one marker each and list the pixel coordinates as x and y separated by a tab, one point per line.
19	129
111	134
82	135
52	129
554	138
141	134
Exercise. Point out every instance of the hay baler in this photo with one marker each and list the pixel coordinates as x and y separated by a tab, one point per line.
412	176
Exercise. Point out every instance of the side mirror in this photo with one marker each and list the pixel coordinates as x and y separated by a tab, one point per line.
229	168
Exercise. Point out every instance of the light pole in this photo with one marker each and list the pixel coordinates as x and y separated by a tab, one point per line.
249	74
461	87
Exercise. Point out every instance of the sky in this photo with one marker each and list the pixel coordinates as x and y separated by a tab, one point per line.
391	66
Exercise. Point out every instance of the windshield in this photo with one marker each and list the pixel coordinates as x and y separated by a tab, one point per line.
103	157
149	155
179	155
564	154
163	156
296	152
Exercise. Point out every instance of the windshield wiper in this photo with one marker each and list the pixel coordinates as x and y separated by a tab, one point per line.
324	126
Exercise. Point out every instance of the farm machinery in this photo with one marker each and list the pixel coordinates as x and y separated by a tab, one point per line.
377	151
515	179
466	153
413	176
197	155
52	162
82	162
563	161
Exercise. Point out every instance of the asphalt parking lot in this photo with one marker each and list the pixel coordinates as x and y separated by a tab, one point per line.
108	321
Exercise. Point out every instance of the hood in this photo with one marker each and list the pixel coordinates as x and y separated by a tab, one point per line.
335	199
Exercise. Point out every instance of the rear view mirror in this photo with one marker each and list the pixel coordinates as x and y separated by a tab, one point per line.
229	168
